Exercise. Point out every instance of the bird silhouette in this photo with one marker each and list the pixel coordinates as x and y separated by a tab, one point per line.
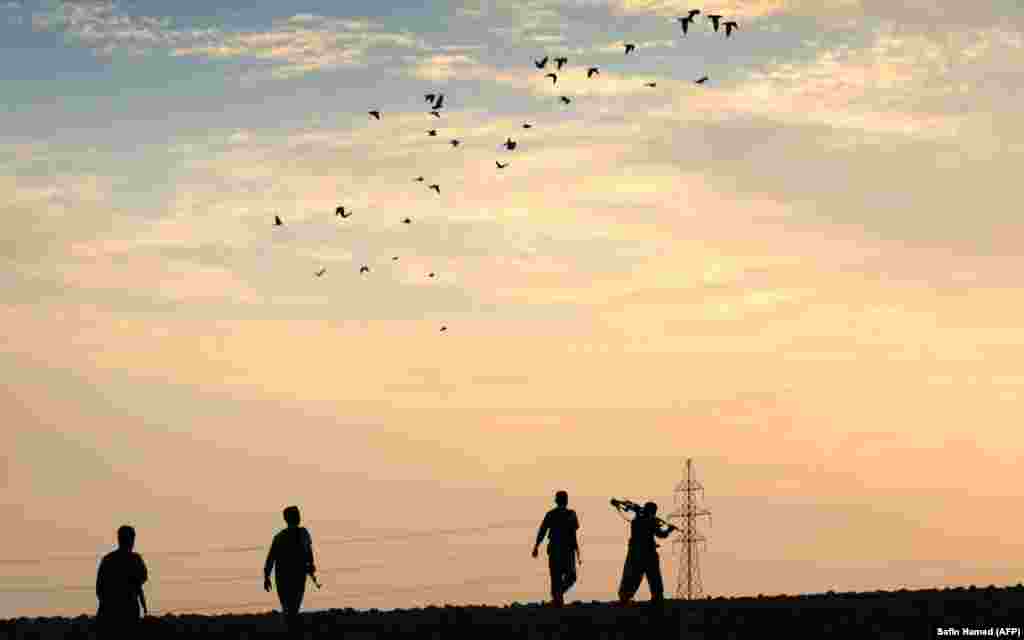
436	114
510	144
691	13
684	23
375	114
592	71
554	78
340	211
436	187
500	166
431	275
714	18
630	47
277	221
565	100
406	221
729	26
394	257
650	84
561	61
454	143
430	97
419	179
527	125
364	269
444	328
432	132
540	64
701	80
321	272
440	102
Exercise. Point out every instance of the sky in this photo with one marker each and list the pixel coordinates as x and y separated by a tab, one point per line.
802	274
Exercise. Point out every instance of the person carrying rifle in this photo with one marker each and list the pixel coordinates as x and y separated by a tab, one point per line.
560	525
291	559
642	555
119	581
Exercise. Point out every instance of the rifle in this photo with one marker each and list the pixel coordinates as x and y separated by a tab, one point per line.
629	505
142	599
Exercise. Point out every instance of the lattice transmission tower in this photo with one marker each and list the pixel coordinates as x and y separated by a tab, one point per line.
688	582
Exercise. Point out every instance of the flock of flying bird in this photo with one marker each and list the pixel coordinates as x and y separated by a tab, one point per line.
437	103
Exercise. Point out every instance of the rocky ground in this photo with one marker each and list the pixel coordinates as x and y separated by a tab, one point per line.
994	612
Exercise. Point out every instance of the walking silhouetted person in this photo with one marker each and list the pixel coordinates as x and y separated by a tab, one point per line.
560	526
291	560
119	583
642	556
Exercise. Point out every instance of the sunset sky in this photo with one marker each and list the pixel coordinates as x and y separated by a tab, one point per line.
804	274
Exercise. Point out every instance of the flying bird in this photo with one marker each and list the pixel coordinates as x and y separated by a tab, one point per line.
444	328
455	143
436	114
592	71
432	132
375	114
340	211
440	102
561	61
540	64
527	125
364	269
277	221
419	179
406	221
500	166
650	84
431	275
630	47
729	26
684	23
565	100
430	97
436	187
701	80
394	257
510	144
714	18
321	272
691	13
554	78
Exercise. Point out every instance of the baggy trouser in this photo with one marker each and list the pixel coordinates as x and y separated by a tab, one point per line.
562	565
290	590
638	565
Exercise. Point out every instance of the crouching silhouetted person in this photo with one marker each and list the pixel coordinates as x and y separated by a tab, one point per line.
119	583
642	556
291	560
560	525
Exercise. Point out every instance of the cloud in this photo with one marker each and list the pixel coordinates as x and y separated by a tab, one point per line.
297	45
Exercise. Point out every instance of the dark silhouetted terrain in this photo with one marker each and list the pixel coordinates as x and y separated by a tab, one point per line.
881	614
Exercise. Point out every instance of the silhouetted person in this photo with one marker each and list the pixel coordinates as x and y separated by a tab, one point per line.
560	526
119	583
642	556
291	560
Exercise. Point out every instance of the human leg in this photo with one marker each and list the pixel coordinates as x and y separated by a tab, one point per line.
631	577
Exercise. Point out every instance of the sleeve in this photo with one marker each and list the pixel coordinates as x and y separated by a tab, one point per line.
310	564
143	571
544	526
101	578
268	566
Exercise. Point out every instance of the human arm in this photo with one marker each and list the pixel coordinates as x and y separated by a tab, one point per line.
309	560
268	566
100	579
143	577
541	532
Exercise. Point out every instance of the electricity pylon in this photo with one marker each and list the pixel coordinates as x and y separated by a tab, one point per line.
688	583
